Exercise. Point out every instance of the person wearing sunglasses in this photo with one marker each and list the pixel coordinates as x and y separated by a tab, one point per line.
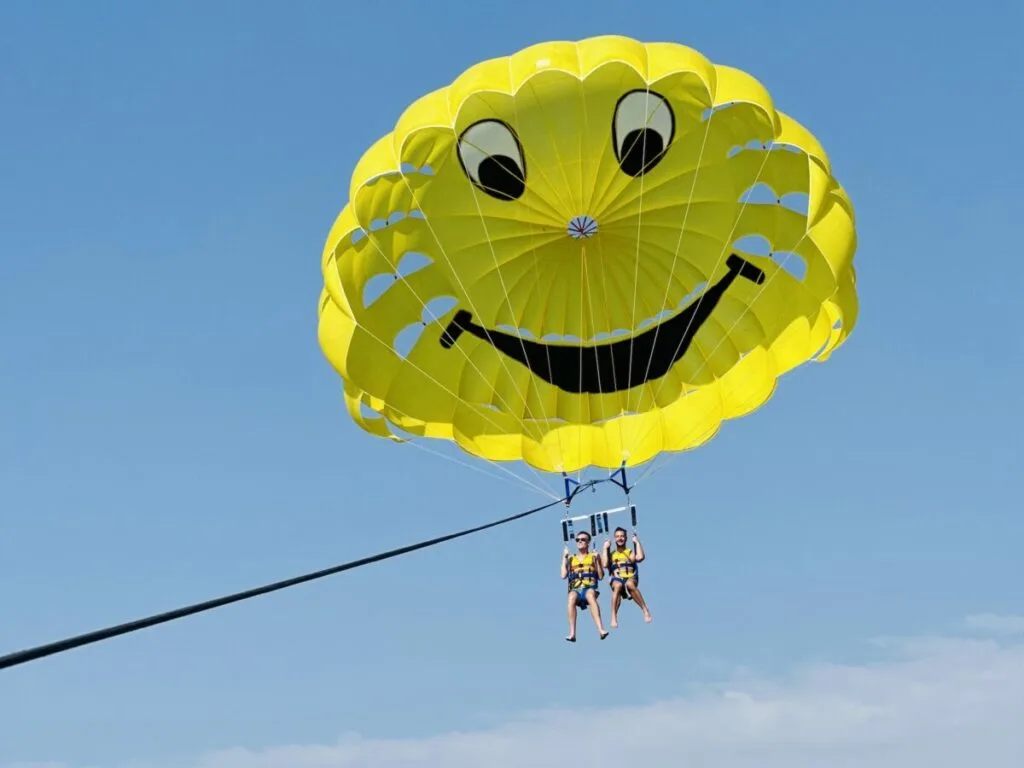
584	572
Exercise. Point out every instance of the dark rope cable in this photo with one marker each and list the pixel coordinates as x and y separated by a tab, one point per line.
70	643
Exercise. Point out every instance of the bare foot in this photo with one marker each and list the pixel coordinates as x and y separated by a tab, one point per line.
647	617
615	622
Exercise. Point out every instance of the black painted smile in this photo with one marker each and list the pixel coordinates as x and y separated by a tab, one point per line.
611	367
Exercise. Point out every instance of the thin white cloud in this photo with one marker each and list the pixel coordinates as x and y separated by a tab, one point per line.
1002	625
936	703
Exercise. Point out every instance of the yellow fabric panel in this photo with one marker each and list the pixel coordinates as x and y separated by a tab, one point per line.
580	207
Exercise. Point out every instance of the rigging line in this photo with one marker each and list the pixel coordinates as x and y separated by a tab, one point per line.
766	149
535	231
587	297
727	244
587	201
366	329
469	299
535	488
636	269
653	467
566	204
426	219
70	643
672	270
420	369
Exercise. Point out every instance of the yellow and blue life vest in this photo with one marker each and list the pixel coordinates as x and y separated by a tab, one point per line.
620	566
582	571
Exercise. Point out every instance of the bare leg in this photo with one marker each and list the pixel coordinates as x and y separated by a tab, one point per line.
634	592
595	612
572	618
616	602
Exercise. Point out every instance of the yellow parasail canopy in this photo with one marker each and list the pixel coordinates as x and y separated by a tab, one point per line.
579	265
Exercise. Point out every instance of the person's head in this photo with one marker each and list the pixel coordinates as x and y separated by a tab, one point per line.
582	541
620	537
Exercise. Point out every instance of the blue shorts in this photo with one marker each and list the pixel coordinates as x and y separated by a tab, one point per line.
625	592
581	596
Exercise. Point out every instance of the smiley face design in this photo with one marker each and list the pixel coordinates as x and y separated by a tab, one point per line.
585	254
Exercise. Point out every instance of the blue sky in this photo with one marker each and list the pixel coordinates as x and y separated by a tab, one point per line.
169	430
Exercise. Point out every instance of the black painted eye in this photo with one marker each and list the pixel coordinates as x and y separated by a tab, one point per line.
642	129
493	160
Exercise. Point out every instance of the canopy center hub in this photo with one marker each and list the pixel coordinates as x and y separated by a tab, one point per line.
581	227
